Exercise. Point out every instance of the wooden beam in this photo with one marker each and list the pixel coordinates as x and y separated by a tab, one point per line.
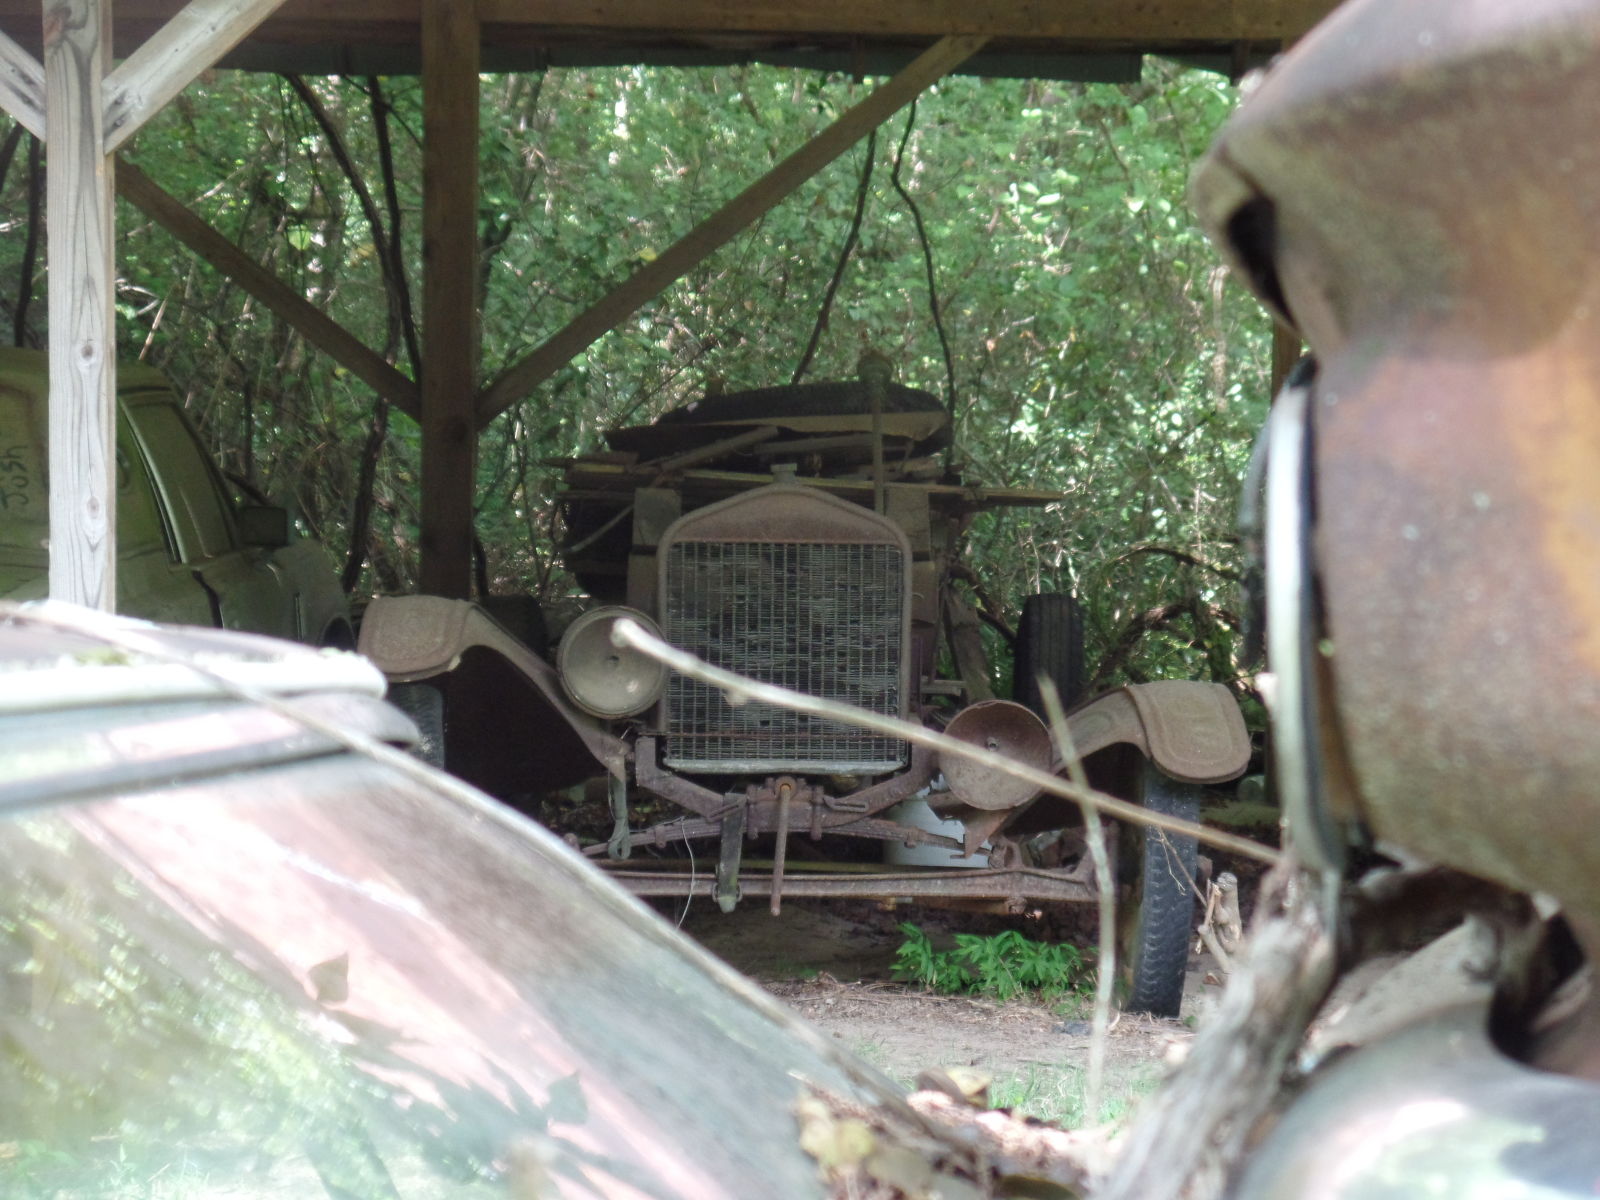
723	225
389	22
1076	20
315	326
22	86
165	64
450	56
1286	351
83	496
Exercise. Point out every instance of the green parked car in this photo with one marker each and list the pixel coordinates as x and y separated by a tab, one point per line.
187	553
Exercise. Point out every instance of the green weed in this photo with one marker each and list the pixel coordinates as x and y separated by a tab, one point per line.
1003	965
1056	1095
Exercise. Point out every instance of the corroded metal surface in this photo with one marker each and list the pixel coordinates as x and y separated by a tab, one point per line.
1417	187
789	586
1007	887
490	680
1001	727
1193	731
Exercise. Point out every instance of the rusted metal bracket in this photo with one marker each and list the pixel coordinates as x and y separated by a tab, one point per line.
672	787
762	819
727	888
874	799
621	843
1008	889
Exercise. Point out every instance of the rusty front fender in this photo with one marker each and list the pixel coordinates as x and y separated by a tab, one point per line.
510	728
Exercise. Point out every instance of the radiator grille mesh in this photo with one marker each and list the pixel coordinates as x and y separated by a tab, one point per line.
823	619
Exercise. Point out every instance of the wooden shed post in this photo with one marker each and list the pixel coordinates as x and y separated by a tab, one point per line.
79	224
450	348
1286	351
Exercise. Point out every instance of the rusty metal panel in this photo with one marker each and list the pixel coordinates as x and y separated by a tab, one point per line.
1192	730
1417	188
1005	886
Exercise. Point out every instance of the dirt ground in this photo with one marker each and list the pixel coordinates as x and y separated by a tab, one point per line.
833	963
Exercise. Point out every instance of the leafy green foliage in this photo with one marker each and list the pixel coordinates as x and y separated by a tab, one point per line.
1003	965
1097	348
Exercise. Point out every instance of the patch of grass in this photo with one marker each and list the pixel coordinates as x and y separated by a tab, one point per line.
1004	965
877	1055
1056	1095
33	1169
1077	1006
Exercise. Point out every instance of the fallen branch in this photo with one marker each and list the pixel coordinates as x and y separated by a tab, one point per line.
1192	1136
1221	929
1192	1133
1105	884
951	1147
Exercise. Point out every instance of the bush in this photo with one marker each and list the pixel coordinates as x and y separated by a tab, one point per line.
1003	965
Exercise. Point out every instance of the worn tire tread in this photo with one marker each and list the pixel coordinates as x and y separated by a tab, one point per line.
1049	642
424	704
1159	953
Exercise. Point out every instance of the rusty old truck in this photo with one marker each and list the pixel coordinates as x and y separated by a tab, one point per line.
809	536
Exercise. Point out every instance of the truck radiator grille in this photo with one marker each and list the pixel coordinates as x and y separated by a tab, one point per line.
827	620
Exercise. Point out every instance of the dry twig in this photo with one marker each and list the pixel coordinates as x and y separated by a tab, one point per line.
1105	881
1192	1133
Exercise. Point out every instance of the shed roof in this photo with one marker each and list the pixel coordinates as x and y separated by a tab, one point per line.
1080	39
87	109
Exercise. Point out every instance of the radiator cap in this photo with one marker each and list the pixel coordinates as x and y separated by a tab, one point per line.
604	679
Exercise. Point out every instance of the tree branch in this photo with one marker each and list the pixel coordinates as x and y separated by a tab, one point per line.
396	261
30	249
392	278
844	258
1161	617
1177	555
8	151
988	611
927	262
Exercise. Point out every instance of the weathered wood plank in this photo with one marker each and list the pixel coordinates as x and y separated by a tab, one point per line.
21	86
449	293
315	326
83	497
1080	19
1286	351
1169	22
722	226
202	32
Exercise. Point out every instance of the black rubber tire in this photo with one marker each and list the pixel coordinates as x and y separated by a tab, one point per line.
1049	643
424	704
845	397
1156	950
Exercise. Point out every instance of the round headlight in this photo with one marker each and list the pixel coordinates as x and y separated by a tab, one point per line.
604	679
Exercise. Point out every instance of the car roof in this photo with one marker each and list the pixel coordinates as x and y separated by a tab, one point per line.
42	643
440	969
28	370
90	703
